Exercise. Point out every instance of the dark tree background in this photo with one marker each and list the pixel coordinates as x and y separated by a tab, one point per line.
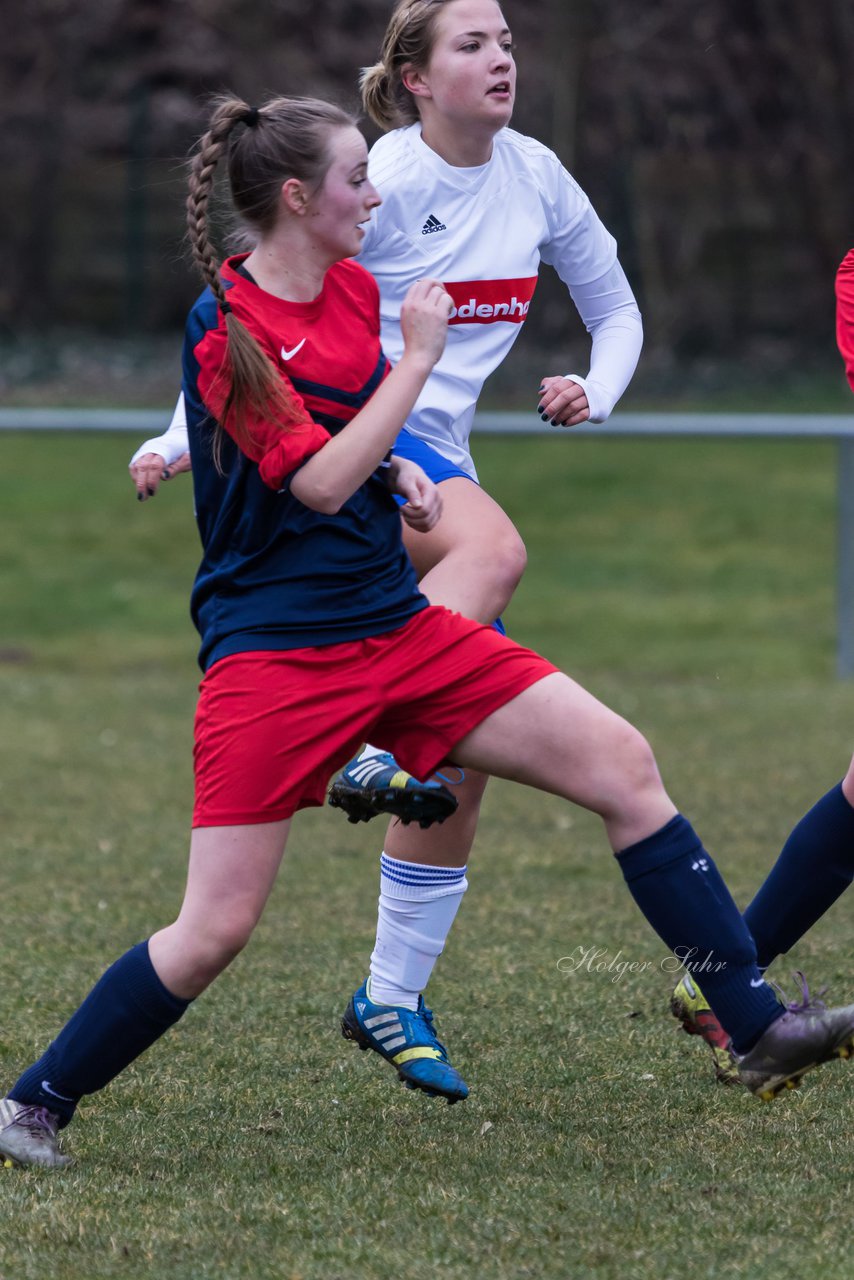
715	138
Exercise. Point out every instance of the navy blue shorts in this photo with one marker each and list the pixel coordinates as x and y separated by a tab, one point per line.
437	467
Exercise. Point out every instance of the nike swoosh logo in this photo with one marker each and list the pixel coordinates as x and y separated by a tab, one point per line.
289	355
759	983
54	1094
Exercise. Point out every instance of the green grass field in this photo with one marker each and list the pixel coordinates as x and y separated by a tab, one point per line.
689	584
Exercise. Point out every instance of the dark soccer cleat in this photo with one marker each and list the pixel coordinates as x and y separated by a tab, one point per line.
806	1035
691	1007
28	1135
375	785
407	1040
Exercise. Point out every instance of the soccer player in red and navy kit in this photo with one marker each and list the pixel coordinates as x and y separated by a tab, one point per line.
470	201
314	634
816	864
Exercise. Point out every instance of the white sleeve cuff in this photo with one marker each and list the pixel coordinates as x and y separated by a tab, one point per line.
173	443
599	400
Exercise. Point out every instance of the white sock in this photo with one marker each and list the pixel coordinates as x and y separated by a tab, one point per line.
416	910
368	752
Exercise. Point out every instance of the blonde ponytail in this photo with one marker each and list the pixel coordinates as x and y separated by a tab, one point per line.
378	100
408	41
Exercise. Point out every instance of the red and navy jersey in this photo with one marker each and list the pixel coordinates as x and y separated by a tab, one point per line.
845	313
275	574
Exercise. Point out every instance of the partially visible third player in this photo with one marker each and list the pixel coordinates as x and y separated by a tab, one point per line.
816	864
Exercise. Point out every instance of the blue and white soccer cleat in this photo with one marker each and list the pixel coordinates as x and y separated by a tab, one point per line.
377	784
407	1040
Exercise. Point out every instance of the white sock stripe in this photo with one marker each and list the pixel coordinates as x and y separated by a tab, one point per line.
407	873
427	873
398	864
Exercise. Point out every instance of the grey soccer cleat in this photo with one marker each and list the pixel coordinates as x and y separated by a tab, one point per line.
805	1036
28	1135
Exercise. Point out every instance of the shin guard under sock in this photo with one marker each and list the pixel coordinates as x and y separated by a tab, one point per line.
125	1012
683	896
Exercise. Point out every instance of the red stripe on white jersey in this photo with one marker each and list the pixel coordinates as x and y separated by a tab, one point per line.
488	301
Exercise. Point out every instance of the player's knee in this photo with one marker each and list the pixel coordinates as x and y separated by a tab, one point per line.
635	761
646	775
213	948
514	556
507	558
231	935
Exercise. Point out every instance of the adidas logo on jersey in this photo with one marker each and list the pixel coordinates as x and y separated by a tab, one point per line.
431	225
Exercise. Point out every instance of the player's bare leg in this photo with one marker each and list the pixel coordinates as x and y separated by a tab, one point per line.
230	876
141	995
473	558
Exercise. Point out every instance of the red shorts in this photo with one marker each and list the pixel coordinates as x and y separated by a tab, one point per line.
273	726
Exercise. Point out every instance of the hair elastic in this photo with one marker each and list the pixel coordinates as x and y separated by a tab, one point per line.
250	118
225	308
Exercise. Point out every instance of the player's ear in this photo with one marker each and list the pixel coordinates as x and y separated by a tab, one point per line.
413	80
295	196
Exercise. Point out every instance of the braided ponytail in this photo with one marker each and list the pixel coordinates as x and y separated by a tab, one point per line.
228	112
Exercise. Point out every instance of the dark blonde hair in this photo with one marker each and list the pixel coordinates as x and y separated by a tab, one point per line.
285	138
408	39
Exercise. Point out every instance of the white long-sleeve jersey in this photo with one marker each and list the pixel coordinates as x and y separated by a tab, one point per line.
484	232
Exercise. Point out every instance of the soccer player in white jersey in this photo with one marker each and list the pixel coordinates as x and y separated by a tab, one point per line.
471	202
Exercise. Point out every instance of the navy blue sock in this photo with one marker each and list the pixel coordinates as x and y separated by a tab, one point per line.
124	1013
816	865
683	896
